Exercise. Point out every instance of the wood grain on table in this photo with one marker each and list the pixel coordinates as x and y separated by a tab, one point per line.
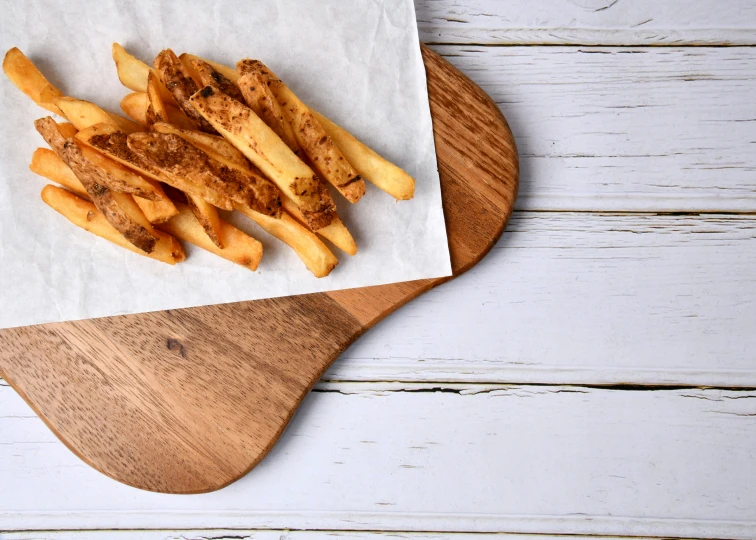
631	261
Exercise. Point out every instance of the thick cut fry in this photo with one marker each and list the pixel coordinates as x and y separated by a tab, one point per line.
213	144
83	114
24	74
67	129
136	104
336	232
369	163
120	211
113	143
310	135
157	211
155	110
310	249
48	164
189	67
239	247
255	89
133	73
84	214
208	75
181	85
207	215
249	134
228	72
174	156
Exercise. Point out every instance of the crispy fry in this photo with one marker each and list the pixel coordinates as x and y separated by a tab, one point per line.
83	114
228	72
206	142
207	74
84	214
174	156
155	110
244	129
136	105
310	249
181	85
133	73
207	215
187	63
119	209
48	164
255	88
240	248
336	232
27	78
369	163
157	211
67	129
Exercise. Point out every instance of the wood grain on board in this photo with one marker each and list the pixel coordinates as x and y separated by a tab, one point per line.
187	401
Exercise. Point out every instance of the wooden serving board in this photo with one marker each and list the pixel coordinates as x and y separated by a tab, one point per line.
189	400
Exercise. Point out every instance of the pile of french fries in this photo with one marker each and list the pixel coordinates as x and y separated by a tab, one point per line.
201	137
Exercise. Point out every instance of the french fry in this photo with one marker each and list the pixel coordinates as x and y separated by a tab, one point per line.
207	74
255	89
48	164
173	156
181	86
239	247
371	166
24	74
260	144
84	214
156	110
119	209
310	249
136	105
113	143
207	216
83	114
133	73
214	144
336	232
67	129
189	67
228	72
157	211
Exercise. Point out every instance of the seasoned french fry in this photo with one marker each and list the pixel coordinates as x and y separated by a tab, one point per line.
369	163
310	249
120	211
157	211
67	129
189	67
84	214
156	110
207	216
207	74
24	74
136	105
336	232
48	164
83	114
173	156
206	142
256	91
181	86
239	247
249	134
133	73
228	72
113	143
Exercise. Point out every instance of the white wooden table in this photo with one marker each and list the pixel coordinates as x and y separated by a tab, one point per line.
594	375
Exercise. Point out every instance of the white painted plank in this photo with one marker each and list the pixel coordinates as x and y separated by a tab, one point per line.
583	299
235	534
654	129
588	22
462	458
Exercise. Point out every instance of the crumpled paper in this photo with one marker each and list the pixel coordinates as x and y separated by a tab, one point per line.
357	62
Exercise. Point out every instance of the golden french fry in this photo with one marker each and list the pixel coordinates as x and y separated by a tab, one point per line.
239	247
260	144
336	232
189	67
48	164
84	214
181	86
212	144
133	73
67	129
156	110
310	249
24	74
207	74
113	143
374	168
135	105
228	72
207	216
83	114
157	211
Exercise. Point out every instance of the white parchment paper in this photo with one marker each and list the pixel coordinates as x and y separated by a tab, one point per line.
356	61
